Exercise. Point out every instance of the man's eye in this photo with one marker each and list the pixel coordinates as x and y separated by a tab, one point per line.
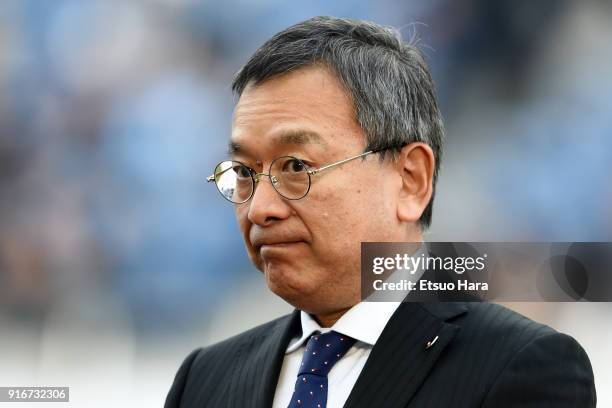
242	172
293	166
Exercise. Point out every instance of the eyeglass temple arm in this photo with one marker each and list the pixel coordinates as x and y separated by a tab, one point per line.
212	176
312	172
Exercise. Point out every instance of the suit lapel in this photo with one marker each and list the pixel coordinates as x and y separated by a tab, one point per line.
399	362
267	361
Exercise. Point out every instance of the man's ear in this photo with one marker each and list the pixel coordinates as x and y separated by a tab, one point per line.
416	165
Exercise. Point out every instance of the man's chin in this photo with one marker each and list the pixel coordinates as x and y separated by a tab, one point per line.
305	291
289	283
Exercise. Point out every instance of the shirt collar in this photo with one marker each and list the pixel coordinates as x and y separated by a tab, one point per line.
364	322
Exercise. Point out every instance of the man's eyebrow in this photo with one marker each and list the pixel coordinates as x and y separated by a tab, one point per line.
233	148
299	137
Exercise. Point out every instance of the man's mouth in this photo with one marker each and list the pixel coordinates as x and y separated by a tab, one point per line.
279	244
266	244
276	244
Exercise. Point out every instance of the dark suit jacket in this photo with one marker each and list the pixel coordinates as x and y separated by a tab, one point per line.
485	356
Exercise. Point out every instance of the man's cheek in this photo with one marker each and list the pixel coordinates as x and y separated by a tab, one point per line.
243	223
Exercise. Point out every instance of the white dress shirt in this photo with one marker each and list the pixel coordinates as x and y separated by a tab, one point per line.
364	322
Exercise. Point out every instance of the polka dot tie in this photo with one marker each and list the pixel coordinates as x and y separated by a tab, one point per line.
322	352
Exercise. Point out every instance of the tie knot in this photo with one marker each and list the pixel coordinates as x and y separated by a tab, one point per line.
323	351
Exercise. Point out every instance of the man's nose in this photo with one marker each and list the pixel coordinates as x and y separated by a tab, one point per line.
266	205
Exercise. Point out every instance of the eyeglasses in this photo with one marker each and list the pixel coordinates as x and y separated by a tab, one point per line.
290	177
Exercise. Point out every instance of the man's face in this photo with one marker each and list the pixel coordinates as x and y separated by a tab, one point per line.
309	249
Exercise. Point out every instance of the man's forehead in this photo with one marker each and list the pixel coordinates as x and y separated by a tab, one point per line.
310	92
305	107
282	138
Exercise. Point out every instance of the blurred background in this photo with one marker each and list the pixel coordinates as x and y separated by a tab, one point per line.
117	258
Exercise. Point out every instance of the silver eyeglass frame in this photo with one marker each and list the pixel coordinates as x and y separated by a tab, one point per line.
273	180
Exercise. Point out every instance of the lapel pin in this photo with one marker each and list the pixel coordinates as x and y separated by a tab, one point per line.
430	343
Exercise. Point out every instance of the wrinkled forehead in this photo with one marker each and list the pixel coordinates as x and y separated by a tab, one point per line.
287	137
307	107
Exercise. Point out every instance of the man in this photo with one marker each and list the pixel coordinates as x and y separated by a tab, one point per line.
336	140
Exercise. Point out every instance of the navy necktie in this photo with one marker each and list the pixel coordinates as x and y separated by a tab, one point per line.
322	352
